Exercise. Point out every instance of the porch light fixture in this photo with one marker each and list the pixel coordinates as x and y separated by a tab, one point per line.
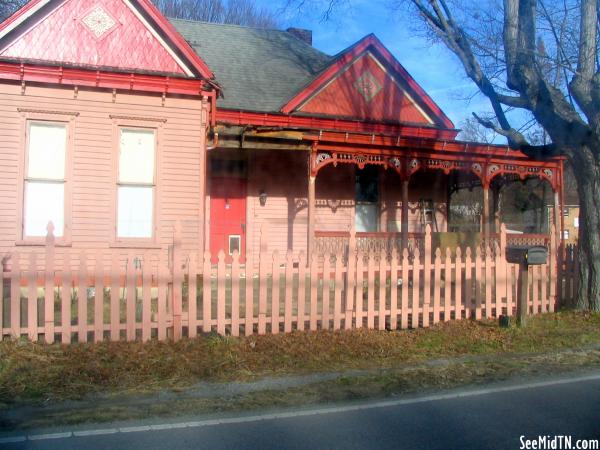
262	197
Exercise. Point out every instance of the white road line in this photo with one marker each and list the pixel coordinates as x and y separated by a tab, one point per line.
134	429
45	437
95	432
304	413
13	439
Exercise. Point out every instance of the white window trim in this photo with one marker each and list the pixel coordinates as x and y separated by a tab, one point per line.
135	123
66	118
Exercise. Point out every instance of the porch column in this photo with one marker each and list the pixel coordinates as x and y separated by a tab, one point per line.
311	216
485	213
404	229
557	215
495	216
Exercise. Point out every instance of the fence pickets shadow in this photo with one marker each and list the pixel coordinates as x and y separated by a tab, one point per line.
63	297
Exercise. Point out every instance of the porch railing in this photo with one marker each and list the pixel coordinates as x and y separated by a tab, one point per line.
386	242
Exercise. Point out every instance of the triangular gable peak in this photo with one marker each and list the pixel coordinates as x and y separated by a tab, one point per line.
122	35
366	82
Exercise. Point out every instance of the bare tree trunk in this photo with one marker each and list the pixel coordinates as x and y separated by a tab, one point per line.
587	167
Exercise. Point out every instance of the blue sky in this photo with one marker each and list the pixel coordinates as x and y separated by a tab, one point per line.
432	65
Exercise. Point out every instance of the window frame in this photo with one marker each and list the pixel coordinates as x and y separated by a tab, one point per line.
66	119
135	242
376	204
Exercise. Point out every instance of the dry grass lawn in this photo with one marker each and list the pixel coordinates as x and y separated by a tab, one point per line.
33	373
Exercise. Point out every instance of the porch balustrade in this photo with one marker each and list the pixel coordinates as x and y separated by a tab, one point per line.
334	242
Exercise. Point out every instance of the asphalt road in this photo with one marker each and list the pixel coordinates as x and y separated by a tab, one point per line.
490	417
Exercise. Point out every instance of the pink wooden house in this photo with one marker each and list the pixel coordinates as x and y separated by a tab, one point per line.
118	122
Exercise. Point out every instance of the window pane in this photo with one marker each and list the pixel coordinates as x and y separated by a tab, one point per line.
44	202
135	212
366	217
367	184
136	156
46	156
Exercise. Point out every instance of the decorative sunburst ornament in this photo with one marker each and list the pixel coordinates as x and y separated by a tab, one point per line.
98	21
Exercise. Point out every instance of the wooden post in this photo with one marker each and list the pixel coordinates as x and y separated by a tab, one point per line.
221	280
485	213
115	315
65	299
130	275
557	215
147	297
427	275
311	216
522	294
235	294
32	293
15	297
495	215
192	296
263	268
82	300
177	282
49	286
404	228
350	280
99	298
249	295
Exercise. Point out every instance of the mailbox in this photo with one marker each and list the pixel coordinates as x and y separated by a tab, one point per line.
528	254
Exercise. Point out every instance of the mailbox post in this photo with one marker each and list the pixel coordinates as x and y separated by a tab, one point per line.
525	256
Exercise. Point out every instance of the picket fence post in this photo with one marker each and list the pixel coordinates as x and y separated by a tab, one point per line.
177	279
427	276
350	279
554	269
49	285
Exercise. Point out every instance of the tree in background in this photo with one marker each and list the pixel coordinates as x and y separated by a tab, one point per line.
237	12
539	57
7	7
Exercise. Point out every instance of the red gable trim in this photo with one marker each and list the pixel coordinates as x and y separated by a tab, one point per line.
101	79
346	57
149	16
180	43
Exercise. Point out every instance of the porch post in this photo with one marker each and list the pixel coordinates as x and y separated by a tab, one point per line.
485	214
495	215
311	216
557	214
404	229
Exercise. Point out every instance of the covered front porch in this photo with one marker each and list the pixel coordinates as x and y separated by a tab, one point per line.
463	192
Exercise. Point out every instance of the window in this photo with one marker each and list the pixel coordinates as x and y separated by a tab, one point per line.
576	222
44	188
367	199
234	243
566	234
136	183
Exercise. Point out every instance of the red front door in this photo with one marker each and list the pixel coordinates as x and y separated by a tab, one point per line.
227	216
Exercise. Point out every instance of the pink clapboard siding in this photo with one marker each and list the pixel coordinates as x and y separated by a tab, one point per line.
146	296
94	117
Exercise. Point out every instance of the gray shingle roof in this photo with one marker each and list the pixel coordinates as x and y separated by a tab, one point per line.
258	69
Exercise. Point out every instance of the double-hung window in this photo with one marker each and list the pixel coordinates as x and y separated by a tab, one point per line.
44	187
136	183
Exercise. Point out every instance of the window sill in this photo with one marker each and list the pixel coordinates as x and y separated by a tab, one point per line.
42	243
134	245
